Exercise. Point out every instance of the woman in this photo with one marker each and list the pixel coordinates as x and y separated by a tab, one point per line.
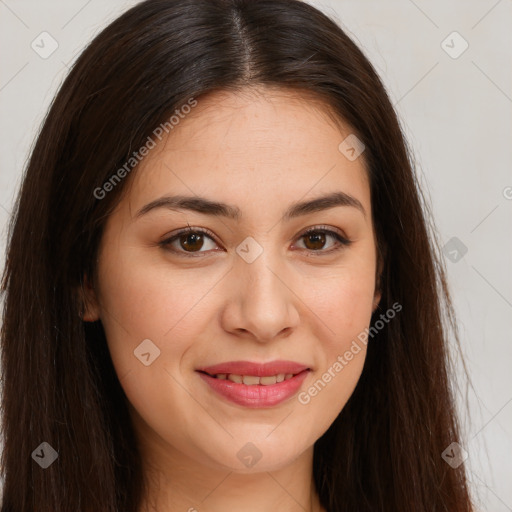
220	290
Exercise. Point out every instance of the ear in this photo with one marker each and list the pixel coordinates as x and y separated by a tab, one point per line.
90	308
376	299
378	281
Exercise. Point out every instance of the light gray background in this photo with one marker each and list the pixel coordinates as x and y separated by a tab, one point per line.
456	113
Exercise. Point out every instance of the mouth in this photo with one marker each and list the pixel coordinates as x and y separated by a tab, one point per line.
252	380
255	385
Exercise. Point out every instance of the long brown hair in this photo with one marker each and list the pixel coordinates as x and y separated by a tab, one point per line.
383	452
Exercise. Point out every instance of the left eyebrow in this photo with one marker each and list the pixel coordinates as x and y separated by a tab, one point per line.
323	203
219	209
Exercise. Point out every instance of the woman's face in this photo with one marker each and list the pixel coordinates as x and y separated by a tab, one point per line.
241	290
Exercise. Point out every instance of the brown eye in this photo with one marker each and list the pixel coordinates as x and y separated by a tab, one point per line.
316	238
315	241
191	241
188	241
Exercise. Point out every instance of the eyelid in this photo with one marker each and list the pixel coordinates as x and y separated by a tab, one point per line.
166	242
192	229
343	241
328	229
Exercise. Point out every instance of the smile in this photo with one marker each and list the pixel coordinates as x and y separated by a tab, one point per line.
253	380
255	385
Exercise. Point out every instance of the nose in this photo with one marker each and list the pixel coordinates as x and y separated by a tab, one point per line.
262	304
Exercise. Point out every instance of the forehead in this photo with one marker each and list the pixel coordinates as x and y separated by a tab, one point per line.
256	148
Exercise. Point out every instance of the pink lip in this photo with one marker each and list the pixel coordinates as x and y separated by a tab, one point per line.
258	395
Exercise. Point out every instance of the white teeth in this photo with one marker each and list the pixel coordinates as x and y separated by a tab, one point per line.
252	380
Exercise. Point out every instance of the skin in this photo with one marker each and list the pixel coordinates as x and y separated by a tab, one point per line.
260	150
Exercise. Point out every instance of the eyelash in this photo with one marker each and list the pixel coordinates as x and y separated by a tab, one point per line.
342	241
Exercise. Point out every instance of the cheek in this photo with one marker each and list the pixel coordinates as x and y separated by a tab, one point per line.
141	301
151	316
343	301
345	314
342	304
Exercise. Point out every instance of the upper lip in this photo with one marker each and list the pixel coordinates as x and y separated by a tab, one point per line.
255	369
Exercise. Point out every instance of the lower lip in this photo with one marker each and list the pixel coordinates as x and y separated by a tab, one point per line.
257	395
